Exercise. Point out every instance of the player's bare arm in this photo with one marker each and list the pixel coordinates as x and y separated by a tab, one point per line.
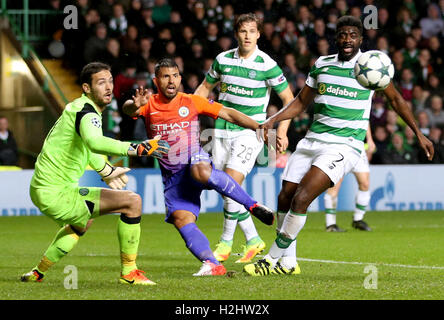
400	106
237	117
132	106
281	134
293	109
205	88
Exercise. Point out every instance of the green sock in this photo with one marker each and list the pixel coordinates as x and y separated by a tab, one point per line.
64	242
128	232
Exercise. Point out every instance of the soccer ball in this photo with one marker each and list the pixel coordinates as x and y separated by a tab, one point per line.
374	70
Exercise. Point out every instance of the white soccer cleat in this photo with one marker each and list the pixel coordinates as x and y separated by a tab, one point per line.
210	269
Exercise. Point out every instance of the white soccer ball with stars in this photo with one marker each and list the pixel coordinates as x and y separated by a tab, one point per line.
374	70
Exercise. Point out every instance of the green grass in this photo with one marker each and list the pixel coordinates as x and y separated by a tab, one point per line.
400	243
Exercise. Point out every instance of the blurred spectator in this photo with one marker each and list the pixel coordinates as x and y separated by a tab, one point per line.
403	26
192	82
280	25
225	43
96	44
161	12
419	97
270	9
111	120
423	68
317	9
410	52
383	45
341	6
264	42
124	81
297	130
148	27
323	47
290	9
436	54
163	36
111	56
416	33
370	39
406	84
290	35
433	24
303	55
332	19
438	144
184	46
289	69
105	8
384	27
134	14
398	152
92	18
381	139
118	23
277	50
214	11
227	24
129	42
319	32
210	42
433	84
435	112
410	139
411	6
144	53
304	24
8	146
378	114
424	123
392	122
398	63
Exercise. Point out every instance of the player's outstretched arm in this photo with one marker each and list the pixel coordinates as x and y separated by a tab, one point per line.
237	117
205	88
400	106
132	106
281	134
294	108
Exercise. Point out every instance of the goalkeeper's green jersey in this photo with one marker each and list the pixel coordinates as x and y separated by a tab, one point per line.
75	141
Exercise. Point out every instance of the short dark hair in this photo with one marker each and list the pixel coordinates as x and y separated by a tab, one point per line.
165	63
349	21
247	17
90	69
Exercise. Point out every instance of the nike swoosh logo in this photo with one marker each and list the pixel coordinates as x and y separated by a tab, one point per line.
340	159
154	112
130	282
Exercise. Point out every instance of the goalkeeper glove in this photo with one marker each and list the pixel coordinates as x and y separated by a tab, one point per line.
154	147
114	177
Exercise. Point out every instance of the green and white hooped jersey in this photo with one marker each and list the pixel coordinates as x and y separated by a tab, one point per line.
342	106
245	85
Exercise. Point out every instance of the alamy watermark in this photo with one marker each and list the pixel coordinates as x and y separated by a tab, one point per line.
71	280
371	281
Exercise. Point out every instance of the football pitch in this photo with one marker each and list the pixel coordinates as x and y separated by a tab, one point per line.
403	258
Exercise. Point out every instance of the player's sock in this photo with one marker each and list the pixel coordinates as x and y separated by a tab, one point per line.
288	259
231	214
64	242
227	186
362	201
128	233
291	250
292	225
330	209
247	225
197	243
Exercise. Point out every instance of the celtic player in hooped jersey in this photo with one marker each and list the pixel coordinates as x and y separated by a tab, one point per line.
246	76
75	141
333	144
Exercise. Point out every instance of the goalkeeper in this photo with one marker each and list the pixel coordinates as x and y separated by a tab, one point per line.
74	142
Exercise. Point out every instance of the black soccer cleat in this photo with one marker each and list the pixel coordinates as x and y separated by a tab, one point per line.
361	225
334	228
264	214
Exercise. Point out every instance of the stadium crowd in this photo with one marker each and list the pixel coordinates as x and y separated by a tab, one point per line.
131	35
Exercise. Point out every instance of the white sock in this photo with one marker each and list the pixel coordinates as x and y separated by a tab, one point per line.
330	209
362	201
248	227
289	253
231	210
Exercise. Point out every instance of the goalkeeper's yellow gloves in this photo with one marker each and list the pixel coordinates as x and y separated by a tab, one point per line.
114	177
155	147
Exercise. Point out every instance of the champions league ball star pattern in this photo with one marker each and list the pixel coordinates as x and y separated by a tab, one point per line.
374	70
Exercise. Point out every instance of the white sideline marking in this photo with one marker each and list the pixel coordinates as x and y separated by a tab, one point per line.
362	263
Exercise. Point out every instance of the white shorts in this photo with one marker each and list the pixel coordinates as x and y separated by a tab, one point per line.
238	153
335	160
362	165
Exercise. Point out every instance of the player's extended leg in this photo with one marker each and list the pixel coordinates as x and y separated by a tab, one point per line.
234	214
288	263
197	243
362	201
330	202
100	202
314	182
223	183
